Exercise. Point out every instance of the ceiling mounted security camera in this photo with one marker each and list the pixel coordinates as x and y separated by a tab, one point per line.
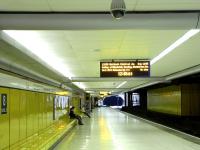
118	8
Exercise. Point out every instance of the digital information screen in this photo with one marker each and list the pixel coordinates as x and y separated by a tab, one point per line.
137	68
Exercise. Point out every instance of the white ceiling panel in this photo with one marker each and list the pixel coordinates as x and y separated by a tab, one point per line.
102	84
149	43
73	47
131	84
86	5
96	5
112	86
144	5
94	46
60	5
183	57
24	5
96	35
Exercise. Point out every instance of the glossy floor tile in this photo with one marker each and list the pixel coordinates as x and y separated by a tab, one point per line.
112	130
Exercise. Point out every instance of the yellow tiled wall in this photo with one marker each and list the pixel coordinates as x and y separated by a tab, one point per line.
40	98
28	113
165	100
22	109
75	101
14	116
4	123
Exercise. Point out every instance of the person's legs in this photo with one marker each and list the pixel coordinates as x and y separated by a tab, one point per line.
80	122
86	114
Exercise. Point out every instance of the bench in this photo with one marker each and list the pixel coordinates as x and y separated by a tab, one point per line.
46	138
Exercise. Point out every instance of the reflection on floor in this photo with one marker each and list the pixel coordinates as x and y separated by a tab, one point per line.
112	130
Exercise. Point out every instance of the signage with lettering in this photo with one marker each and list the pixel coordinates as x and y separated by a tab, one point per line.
137	68
3	103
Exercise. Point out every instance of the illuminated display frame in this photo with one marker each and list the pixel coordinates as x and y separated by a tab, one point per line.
139	70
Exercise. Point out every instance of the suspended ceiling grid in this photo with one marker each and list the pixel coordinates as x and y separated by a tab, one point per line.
82	52
96	5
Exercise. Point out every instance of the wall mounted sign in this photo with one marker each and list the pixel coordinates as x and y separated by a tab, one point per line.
3	103
135	68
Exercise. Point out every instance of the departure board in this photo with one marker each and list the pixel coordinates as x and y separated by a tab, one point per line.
136	68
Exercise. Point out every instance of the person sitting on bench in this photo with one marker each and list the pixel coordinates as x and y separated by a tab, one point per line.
75	116
85	112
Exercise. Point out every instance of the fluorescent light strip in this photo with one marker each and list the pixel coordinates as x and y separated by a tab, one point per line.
121	84
36	44
181	40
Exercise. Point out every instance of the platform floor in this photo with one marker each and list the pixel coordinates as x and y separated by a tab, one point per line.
109	129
